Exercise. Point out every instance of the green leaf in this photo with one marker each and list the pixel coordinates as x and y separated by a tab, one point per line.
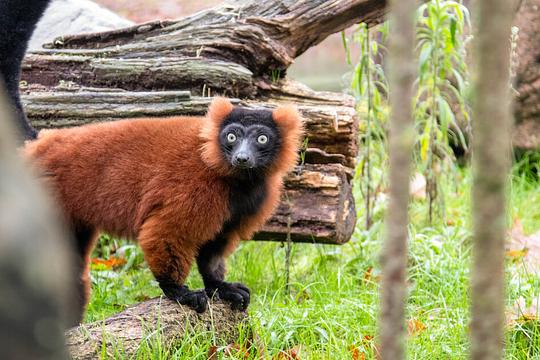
425	54
453	26
446	116
346	47
424	143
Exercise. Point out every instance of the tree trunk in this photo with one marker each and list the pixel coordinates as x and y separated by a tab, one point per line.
35	262
527	76
239	49
156	321
394	254
491	149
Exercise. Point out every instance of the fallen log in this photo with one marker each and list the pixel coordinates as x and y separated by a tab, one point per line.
195	74
318	182
158	321
331	125
317	207
263	37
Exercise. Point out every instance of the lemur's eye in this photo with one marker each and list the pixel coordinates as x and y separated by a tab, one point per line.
231	137
262	139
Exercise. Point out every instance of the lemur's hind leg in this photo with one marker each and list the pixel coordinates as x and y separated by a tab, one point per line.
18	18
85	237
211	263
170	259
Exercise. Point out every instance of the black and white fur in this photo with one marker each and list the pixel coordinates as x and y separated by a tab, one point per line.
18	19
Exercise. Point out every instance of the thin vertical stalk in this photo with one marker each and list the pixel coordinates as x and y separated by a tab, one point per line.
288	251
394	255
431	178
491	149
368	132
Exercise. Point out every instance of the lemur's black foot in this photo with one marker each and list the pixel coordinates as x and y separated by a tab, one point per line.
238	295
195	299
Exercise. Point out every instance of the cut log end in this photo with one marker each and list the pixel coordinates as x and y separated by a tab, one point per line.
317	207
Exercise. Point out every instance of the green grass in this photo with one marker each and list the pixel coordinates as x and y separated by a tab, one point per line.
333	302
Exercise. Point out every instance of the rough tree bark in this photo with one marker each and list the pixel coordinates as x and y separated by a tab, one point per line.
35	266
238	49
394	254
526	134
491	150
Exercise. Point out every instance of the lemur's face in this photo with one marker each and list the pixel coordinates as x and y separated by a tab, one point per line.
249	139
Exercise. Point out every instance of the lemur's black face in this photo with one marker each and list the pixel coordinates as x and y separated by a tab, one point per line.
249	139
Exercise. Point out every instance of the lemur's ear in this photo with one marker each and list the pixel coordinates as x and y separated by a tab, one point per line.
218	111
290	125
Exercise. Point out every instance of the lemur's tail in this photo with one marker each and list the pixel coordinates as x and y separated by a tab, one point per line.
18	19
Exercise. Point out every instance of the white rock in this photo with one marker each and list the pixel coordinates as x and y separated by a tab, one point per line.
67	17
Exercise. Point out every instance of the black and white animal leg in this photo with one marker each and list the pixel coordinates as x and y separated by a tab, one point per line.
211	265
195	299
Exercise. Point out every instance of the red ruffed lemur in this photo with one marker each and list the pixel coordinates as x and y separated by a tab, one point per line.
187	188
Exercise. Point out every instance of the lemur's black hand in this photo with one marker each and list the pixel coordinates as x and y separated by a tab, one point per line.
195	299
238	295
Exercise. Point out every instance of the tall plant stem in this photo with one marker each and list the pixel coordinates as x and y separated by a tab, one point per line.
431	179
368	133
288	250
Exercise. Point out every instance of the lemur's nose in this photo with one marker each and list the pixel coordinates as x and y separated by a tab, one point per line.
242	158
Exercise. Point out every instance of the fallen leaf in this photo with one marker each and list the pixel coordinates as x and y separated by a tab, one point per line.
356	353
415	327
289	354
521	313
525	248
369	343
516	255
112	262
236	351
371	275
232	350
367	339
367	274
302	296
212	353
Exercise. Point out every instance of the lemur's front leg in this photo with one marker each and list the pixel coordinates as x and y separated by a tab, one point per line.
211	263
170	260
